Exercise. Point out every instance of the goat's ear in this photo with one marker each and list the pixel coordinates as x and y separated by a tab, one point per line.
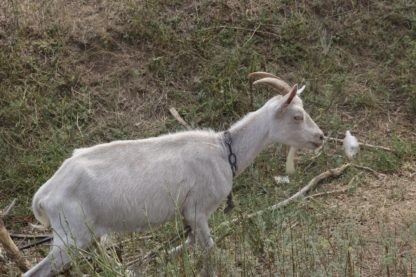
291	94
287	99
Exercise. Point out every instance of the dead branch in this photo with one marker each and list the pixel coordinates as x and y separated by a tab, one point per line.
23	236
35	243
9	246
338	191
377	174
7	210
361	144
300	194
326	193
177	116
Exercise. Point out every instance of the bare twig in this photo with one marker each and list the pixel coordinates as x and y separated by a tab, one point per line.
300	194
377	174
79	128
362	144
23	236
331	192
242	29
48	237
35	243
338	191
177	116
7	210
9	246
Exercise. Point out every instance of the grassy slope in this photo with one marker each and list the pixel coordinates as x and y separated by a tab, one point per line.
77	74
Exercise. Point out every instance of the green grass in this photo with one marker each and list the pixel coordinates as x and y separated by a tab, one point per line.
73	77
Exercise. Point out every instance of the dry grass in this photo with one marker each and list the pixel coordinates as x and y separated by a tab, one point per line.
382	210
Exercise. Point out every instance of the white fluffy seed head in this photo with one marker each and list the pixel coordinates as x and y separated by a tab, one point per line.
351	145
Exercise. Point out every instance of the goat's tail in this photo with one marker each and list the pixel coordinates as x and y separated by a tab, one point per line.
39	212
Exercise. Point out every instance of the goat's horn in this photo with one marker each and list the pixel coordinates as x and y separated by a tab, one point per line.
261	74
301	89
275	83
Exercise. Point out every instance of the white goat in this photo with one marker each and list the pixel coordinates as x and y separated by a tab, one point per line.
133	185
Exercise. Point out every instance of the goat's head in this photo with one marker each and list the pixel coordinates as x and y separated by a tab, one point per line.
291	125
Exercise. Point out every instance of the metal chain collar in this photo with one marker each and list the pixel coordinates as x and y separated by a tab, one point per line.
232	158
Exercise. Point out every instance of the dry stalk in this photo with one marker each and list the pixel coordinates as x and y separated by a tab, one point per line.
331	192
9	246
35	243
177	116
300	194
362	144
377	174
338	191
24	236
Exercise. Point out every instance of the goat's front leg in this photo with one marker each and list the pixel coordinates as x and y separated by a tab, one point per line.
205	241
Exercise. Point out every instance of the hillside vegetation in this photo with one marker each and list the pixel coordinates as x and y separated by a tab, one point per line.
77	73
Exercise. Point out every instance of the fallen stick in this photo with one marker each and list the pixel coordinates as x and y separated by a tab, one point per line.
8	244
361	144
23	236
338	191
35	243
177	116
377	174
300	194
325	193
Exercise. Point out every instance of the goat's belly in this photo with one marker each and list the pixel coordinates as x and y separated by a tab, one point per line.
139	202
132	216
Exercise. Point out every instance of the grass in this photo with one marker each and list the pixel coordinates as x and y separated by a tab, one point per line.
74	75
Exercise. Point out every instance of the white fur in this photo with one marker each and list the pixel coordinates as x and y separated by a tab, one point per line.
134	185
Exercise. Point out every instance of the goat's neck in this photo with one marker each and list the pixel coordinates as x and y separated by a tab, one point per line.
249	136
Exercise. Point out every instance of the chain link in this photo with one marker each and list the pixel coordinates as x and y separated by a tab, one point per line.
232	158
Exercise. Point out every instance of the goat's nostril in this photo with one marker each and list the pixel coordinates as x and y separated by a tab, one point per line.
321	137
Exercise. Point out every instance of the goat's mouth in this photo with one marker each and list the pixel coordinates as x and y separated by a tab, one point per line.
315	145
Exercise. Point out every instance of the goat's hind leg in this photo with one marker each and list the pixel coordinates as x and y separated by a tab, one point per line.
206	242
60	255
52	264
200	228
189	242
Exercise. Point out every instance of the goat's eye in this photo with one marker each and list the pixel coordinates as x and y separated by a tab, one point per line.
298	117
